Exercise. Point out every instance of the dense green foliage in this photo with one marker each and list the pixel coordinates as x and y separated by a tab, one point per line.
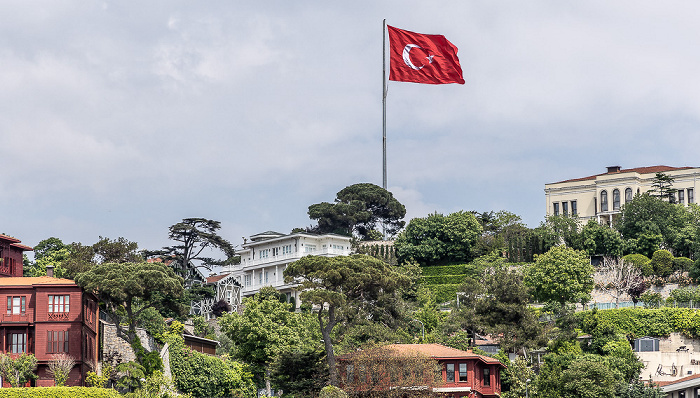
266	328
59	392
17	370
129	288
348	288
439	239
497	304
359	209
203	375
562	275
640	322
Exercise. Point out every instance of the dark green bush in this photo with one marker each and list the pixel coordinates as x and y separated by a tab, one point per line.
640	261
662	262
59	392
682	264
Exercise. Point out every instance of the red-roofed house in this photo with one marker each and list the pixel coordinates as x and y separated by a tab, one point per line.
45	316
602	196
11	256
462	373
687	387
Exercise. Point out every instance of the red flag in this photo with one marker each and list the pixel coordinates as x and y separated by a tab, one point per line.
419	58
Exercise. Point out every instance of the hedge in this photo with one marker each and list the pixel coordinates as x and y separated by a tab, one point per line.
460	269
442	280
445	293
59	392
639	322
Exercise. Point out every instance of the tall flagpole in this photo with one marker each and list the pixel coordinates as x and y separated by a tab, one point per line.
384	104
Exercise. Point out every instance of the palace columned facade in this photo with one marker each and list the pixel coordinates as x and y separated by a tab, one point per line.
602	196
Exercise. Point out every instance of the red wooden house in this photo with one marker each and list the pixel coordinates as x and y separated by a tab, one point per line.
460	373
45	316
11	256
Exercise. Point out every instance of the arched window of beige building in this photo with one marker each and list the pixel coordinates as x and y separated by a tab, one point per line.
603	200
628	195
616	199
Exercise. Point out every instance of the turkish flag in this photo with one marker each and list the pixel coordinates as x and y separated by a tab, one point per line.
419	58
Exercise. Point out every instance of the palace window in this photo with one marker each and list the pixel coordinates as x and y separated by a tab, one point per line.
565	208
57	341
691	197
556	209
628	195
450	372
309	248
681	196
275	251
487	376
462	372
247	280
16	305
574	210
17	342
59	303
604	201
616	199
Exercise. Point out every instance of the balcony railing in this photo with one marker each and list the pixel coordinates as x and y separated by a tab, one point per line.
15	318
58	316
293	256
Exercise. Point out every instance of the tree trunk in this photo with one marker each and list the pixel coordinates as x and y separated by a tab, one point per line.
328	344
268	388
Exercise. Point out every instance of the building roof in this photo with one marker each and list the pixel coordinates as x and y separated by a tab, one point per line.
638	170
216	278
436	351
670	384
22	247
11	239
35	280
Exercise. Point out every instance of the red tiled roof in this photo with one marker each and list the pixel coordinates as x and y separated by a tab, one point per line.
216	278
22	247
639	170
437	351
670	382
11	239
35	280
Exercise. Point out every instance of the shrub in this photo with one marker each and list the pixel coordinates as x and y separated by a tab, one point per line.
682	264
59	392
60	367
662	262
203	375
332	392
640	261
651	299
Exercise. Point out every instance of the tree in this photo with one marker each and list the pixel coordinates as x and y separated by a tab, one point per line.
390	371
662	263
340	284
588	379
601	240
195	235
266	328
19	370
618	277
59	367
640	389
494	226
562	275
439	239
129	287
498	304
359	208
560	230
662	187
652	222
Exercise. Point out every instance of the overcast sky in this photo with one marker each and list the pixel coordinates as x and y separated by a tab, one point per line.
120	118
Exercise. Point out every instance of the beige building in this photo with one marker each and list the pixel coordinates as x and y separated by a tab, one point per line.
602	196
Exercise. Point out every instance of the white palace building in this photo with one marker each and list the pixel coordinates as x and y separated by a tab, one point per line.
264	257
602	196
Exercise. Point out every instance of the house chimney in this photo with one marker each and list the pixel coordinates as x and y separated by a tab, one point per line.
49	270
613	169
